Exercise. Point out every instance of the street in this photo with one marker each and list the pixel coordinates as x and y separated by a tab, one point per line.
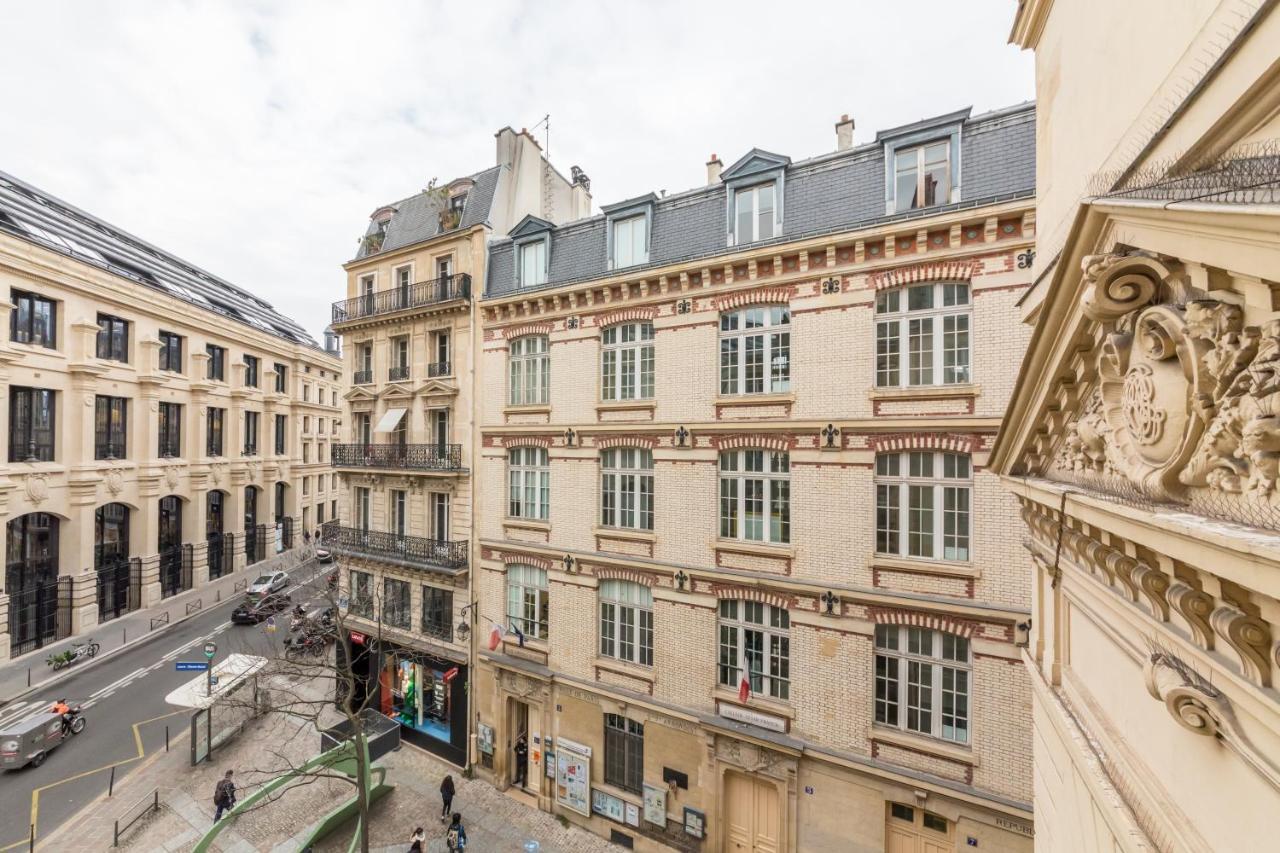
123	700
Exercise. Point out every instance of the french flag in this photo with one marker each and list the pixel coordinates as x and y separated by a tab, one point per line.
744	688
495	636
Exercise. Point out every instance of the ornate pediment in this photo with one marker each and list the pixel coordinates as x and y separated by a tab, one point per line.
395	392
359	393
437	388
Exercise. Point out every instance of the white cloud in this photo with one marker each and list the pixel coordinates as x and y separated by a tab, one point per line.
255	139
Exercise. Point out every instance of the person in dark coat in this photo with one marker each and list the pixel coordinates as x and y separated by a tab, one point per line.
446	794
521	750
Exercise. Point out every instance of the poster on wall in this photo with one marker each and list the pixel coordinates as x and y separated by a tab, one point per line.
633	814
573	779
655	804
607	805
484	738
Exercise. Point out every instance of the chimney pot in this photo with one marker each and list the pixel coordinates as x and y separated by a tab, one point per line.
713	169
844	133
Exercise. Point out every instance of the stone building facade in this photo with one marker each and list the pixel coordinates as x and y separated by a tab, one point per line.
403	526
743	574
154	419
1141	441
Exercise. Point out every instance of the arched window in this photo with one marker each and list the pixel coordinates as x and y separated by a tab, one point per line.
527	601
529	479
930	323
626	621
215	516
926	494
530	369
31	555
626	362
923	681
110	535
755	350
755	638
755	496
626	488
170	529
279	501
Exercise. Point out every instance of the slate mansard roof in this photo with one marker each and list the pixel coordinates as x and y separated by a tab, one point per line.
831	192
37	217
416	218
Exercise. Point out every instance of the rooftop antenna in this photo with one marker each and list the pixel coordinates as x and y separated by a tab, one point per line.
545	124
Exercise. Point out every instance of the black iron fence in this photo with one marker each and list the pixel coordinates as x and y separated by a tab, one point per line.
176	564
362	377
398	374
418	457
411	549
220	554
255	544
399	298
39	615
440	368
119	584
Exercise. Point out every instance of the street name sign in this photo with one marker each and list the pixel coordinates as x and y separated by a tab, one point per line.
191	665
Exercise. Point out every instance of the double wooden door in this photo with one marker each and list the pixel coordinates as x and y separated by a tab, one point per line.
753	815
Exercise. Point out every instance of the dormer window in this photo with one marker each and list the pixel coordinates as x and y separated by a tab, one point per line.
755	189
630	242
922	175
457	203
754	213
533	264
531	246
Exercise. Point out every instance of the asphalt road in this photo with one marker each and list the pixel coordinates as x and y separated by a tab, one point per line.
123	697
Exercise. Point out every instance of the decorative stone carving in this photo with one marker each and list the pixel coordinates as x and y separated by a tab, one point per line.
1195	607
37	489
114	481
218	472
1085	447
171	476
752	758
1249	637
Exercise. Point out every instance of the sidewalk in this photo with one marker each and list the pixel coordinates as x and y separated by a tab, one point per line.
30	672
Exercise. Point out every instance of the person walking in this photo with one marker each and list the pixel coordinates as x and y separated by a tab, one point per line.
521	750
418	838
456	837
446	795
224	796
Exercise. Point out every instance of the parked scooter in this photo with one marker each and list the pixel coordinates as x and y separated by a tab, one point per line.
60	660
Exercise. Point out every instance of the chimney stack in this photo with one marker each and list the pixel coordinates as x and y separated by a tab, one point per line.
713	169
844	133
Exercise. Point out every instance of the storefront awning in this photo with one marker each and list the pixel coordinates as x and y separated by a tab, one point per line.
390	420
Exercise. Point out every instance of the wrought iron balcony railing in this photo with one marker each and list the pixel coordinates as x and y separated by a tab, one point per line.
417	457
362	377
398	374
440	368
400	298
411	549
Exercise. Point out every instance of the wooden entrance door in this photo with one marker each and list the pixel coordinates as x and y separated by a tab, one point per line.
753	819
913	830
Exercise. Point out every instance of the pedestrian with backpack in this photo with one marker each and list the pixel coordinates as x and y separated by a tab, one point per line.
224	796
456	837
446	794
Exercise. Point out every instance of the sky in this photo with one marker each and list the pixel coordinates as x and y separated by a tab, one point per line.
255	139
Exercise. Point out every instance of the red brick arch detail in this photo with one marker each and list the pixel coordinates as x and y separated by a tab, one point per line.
753	441
916	273
646	442
627	315
952	442
509	559
748	593
936	621
607	573
527	441
762	296
526	329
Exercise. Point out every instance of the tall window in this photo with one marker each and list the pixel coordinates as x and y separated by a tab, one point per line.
399	369
755	638
437	611
398	508
755	351
404	281
931	323
626	488
170	429
217	362
630	243
626	362
362	507
282	378
530	371
926	494
930	669
361	593
396	609
529	478
251	371
251	433
364	364
922	176
753	214
624	753
32	424
171	352
113	338
626	621
34	320
360	428
214	431
755	496
533	263
440	367
110	425
282	433
527	601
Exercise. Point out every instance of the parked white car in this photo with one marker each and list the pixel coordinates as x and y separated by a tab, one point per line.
266	584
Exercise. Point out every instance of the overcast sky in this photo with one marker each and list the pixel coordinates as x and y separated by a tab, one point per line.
254	139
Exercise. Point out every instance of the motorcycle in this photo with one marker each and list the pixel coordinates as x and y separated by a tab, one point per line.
307	644
60	660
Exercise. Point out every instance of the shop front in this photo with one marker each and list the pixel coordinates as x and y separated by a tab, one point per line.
426	694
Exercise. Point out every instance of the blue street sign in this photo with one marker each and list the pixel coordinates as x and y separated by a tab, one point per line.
190	665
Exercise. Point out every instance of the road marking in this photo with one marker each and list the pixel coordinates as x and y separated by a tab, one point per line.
113	685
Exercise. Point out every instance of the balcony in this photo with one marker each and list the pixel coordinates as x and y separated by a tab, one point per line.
439	368
380	545
362	377
410	457
398	374
418	295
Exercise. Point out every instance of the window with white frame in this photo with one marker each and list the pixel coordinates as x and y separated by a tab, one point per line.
923	681
753	213
626	362
755	351
630	241
922	504
755	639
626	621
530	369
527	602
532	259
529	478
755	496
626	488
930	323
922	175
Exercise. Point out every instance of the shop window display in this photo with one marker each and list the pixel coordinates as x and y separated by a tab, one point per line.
417	694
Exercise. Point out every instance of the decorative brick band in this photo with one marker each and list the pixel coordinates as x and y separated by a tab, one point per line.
748	593
933	271
525	329
627	315
509	559
765	296
613	573
622	439
953	442
938	622
525	441
754	441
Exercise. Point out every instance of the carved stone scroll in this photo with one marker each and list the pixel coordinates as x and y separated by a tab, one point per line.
1249	637
1195	607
